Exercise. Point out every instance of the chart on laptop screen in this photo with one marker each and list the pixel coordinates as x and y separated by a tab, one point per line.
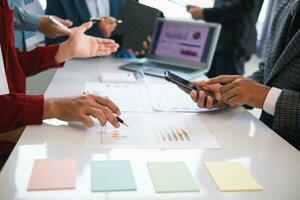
183	41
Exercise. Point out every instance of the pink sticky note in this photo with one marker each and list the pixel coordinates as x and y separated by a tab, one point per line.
58	174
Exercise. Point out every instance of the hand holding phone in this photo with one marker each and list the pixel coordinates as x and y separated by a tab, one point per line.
187	85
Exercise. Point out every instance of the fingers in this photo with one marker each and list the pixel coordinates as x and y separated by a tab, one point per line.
106	47
84	27
145	45
65	22
108	114
109	20
86	120
98	114
107	103
194	95
229	94
202	100
149	39
234	101
223	79
228	87
103	115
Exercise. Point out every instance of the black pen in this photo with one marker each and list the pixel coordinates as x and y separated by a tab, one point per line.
122	121
96	20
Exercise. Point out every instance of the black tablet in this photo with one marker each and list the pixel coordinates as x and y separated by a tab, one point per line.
138	22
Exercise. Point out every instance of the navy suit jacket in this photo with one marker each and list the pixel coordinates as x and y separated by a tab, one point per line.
77	11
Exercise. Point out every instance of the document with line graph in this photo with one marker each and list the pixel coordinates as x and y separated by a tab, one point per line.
154	130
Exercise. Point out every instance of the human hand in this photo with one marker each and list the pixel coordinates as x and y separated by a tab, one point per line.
80	45
52	30
146	45
205	101
80	109
240	90
107	25
196	12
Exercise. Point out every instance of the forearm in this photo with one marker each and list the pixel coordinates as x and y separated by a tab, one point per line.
38	60
18	110
23	20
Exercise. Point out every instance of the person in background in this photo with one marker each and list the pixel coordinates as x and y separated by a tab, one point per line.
275	87
238	36
25	21
19	109
80	11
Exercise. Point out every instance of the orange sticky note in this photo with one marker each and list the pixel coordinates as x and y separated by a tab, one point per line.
53	174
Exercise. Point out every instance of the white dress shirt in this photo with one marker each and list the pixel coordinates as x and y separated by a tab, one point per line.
3	81
98	8
271	100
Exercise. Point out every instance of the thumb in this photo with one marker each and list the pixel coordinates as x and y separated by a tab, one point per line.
223	79
84	27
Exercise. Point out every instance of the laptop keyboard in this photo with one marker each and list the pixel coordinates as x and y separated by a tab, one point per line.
157	69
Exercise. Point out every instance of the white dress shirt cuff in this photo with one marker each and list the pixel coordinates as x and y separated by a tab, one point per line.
271	100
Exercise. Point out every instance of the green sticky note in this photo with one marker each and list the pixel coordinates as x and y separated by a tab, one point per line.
107	176
170	177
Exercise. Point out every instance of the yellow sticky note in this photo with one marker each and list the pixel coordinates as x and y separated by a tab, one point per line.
232	177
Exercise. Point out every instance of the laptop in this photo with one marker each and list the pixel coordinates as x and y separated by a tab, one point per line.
183	47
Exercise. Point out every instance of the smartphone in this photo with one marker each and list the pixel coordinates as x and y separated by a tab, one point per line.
181	82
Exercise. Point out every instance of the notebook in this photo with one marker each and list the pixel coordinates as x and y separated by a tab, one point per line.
138	23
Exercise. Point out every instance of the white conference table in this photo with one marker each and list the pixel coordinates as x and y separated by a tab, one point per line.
272	161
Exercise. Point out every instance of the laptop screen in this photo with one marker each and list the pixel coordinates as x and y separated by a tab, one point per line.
183	42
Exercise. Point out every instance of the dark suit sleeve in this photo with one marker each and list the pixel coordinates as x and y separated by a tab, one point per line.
258	76
229	11
54	8
287	112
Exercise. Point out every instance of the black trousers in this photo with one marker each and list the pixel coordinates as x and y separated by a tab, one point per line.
227	64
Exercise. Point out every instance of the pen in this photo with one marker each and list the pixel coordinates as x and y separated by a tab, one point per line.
58	23
118	118
122	121
96	20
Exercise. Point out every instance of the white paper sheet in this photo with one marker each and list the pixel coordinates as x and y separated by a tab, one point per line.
129	97
154	130
169	98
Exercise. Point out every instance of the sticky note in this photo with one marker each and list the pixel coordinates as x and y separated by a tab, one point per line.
109	176
232	177
54	174
168	177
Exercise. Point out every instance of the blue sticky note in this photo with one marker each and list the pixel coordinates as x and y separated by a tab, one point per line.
108	176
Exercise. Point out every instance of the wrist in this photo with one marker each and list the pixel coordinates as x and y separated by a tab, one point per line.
50	108
64	52
265	92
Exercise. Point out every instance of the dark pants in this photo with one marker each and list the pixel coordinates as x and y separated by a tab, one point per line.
227	64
